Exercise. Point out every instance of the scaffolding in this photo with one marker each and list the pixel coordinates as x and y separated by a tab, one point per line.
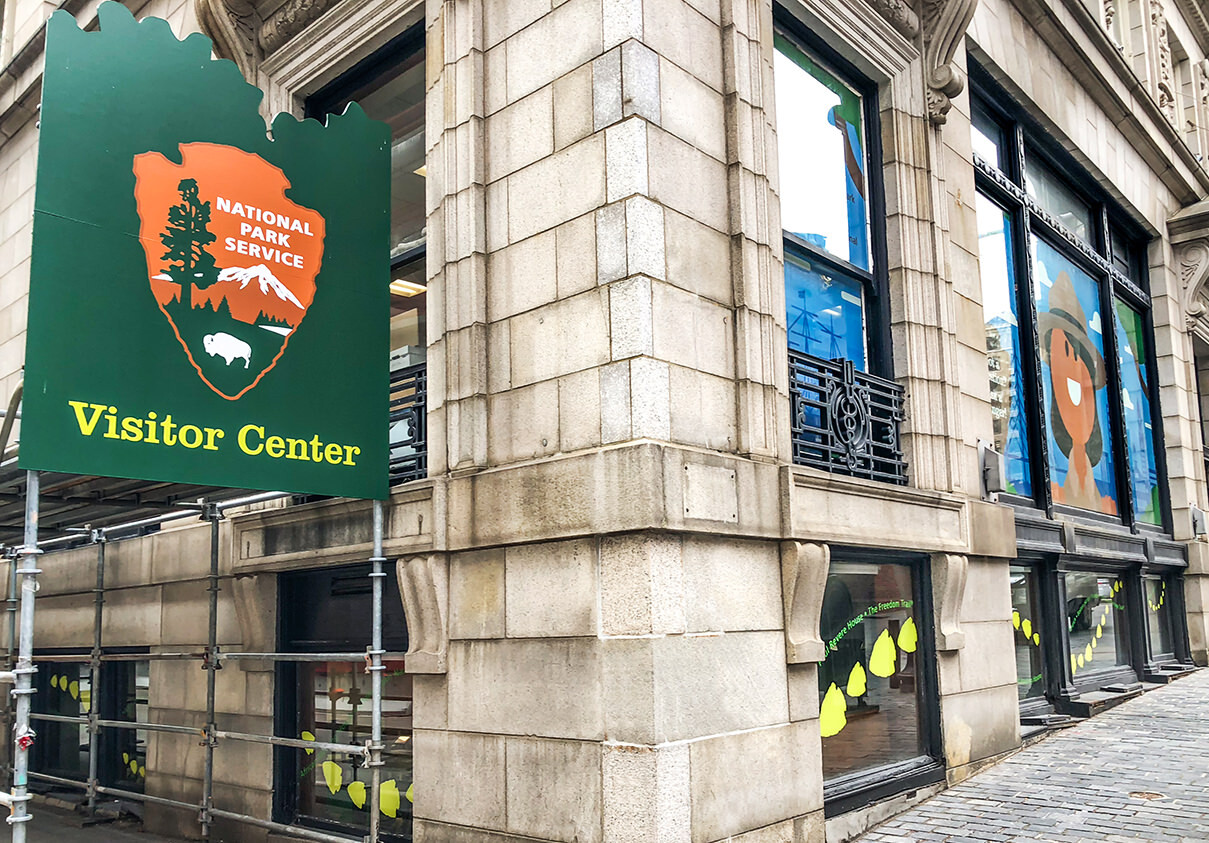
89	510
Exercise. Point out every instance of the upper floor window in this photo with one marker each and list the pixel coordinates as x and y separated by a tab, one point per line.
829	204
1068	337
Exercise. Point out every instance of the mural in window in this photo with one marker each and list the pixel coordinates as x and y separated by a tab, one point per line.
1135	404
1070	328
335	708
1095	611
1026	628
869	711
998	272
820	130
1158	617
825	310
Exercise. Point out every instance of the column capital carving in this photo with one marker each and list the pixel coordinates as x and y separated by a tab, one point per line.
804	567
944	24
233	26
424	588
948	593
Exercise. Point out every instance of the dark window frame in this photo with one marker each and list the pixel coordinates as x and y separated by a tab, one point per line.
878	343
1024	137
296	593
860	788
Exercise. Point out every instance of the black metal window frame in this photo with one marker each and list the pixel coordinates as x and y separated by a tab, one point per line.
409	385
860	788
844	420
875	283
301	607
1005	188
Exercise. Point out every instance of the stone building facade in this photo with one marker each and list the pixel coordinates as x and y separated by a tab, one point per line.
724	310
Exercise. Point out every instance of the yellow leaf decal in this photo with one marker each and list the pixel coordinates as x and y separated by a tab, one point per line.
411	792
1037	638
333	775
134	767
1015	619
1100	631
1026	626
74	689
857	684
307	736
125	757
1074	665
356	792
884	659
1087	653
388	798
832	719
142	772
54	681
1080	661
908	637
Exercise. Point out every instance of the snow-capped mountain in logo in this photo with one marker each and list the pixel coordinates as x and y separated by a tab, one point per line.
252	293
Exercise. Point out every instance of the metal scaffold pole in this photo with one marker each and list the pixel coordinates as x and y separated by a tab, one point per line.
212	664
374	746
25	670
94	674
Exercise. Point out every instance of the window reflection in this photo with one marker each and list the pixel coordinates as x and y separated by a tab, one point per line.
826	311
1095	611
998	273
1026	625
869	711
820	131
1158	618
1135	404
1052	193
989	139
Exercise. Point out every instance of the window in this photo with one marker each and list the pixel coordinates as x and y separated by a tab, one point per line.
1158	619
1068	340
329	611
64	688
1096	623
875	683
830	204
390	87
1027	626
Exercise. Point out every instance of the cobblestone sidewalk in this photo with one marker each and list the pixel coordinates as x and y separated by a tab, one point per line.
1137	772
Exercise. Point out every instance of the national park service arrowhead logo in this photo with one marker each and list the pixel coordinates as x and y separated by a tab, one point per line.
231	261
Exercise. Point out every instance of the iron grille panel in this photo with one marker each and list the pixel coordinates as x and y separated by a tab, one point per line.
846	421
408	424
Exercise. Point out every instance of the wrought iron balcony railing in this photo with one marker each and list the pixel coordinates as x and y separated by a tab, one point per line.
844	420
408	424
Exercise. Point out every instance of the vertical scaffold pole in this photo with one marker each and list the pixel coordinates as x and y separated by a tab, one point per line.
374	746
214	514
23	735
94	673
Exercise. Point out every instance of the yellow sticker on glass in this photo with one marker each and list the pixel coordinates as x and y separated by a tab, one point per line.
857	681
1026	626
884	659
307	736
356	792
1015	619
388	798
333	775
832	719
908	637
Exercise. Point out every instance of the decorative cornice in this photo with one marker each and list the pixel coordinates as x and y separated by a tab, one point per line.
289	20
900	15
232	26
944	25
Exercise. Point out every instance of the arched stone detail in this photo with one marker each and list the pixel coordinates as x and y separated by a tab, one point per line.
948	593
944	26
424	587
233	26
804	567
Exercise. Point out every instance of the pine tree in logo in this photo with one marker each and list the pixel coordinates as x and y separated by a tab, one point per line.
186	238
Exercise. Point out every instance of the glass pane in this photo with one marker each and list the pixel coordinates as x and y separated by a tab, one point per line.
1158	617
126	749
826	311
1026	621
334	786
62	748
1070	328
820	131
990	141
1135	403
869	710
1044	185
997	268
1095	612
1119	251
408	309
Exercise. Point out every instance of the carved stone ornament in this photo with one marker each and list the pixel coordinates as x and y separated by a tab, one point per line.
949	591
289	20
1193	261
804	567
944	25
1166	85
232	25
256	611
900	15
424	587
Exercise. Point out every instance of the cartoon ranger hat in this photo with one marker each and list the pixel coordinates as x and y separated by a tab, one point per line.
1066	314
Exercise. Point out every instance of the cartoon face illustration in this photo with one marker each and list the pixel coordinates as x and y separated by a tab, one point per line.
1076	373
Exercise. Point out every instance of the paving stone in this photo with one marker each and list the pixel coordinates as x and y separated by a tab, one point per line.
1075	786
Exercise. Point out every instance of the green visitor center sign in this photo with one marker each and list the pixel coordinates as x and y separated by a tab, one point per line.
208	300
